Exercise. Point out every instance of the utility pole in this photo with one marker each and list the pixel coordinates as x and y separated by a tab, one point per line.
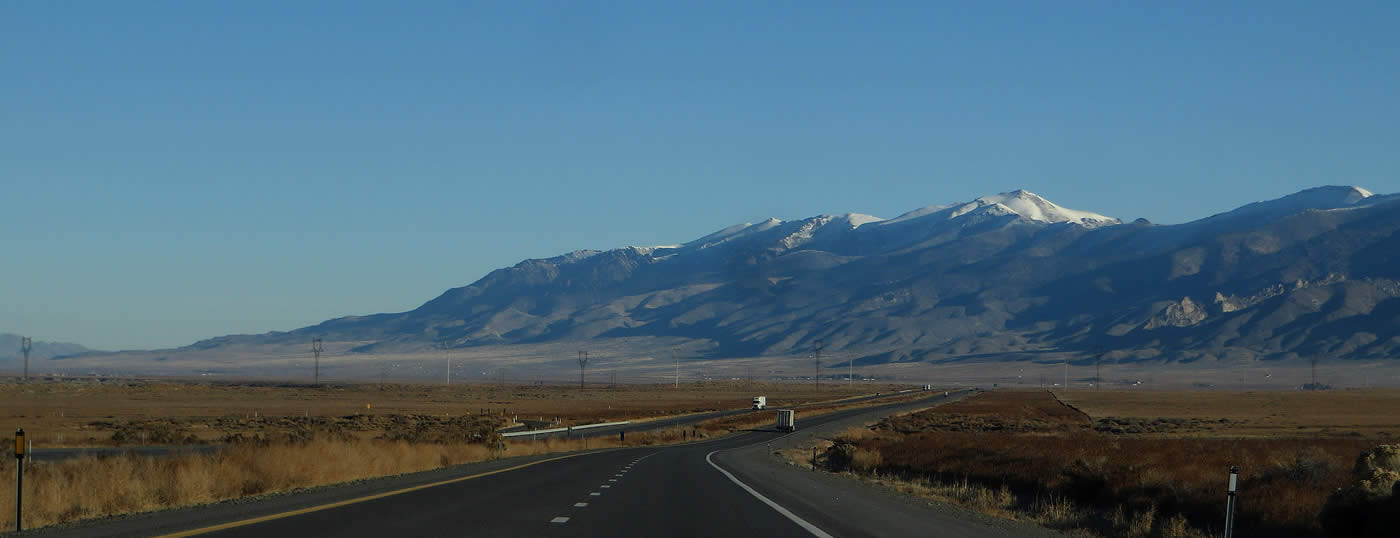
1313	360
316	366
26	344
677	356
850	369
1098	361
817	363
1066	374
582	366
447	354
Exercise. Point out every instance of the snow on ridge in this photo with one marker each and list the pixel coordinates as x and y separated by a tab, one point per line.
860	219
916	214
1031	206
1358	194
1023	203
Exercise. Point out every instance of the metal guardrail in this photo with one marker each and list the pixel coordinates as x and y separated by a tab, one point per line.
556	430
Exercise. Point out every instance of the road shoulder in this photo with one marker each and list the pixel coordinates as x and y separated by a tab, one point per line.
847	507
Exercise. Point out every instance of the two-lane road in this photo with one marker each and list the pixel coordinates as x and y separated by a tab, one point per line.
681	490
630	492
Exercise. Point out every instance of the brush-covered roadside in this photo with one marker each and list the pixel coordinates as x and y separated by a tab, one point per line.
1026	456
91	487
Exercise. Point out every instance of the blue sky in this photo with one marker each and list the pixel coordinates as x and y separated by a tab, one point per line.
180	170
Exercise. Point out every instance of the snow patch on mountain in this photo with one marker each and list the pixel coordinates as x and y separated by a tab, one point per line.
734	232
1032	207
921	212
857	220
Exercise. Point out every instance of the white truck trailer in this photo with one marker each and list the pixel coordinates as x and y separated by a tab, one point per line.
787	420
760	402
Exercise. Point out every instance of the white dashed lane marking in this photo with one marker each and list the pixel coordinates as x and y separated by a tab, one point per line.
563	519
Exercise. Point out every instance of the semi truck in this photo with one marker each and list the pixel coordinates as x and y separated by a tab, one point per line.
787	420
760	402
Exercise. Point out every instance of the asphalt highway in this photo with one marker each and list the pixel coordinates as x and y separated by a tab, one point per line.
661	424
725	487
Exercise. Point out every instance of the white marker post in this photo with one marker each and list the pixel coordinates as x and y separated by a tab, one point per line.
1230	502
19	478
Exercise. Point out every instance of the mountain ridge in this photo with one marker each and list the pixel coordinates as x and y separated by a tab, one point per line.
1007	273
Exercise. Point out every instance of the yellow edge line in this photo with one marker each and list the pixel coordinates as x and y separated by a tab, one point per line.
235	524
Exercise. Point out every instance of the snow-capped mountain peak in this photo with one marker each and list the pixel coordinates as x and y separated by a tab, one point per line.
1360	194
1031	206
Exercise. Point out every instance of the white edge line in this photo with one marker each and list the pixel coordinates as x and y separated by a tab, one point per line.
799	521
791	516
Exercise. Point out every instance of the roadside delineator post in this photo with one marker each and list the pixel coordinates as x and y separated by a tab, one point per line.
814	458
1230	502
19	478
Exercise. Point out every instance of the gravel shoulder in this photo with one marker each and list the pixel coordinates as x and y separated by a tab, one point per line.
846	507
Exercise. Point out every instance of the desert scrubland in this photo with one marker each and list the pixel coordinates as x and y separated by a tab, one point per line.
1150	463
276	438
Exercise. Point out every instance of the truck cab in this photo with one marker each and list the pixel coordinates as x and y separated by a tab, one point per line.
760	402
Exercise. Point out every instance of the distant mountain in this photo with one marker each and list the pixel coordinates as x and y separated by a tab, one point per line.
1313	273
10	350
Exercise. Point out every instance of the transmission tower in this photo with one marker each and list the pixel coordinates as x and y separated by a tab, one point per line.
582	366
1313	360
26	344
447	355
817	363
677	356
316	367
850	369
1098	361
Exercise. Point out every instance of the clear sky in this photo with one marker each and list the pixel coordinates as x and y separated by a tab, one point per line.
180	170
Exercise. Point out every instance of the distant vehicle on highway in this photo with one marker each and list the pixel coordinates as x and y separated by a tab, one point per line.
760	402
928	387
787	420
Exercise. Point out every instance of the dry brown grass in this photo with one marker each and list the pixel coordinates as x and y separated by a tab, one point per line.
1065	475
320	453
89	487
87	413
1366	413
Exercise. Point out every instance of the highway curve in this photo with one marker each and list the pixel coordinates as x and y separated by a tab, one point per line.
681	490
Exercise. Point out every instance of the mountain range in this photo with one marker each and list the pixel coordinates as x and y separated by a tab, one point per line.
10	349
1012	275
